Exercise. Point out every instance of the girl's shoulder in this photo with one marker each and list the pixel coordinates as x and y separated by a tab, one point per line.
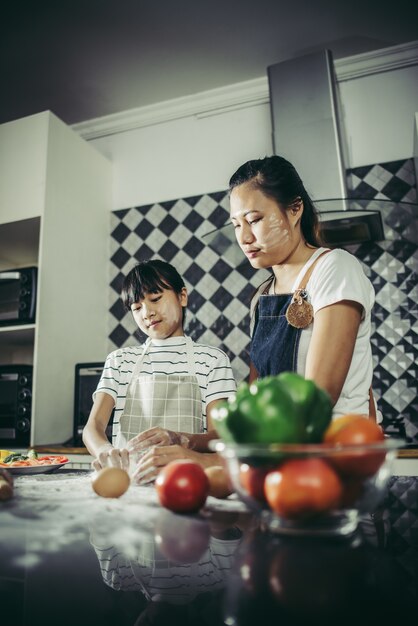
125	354
209	351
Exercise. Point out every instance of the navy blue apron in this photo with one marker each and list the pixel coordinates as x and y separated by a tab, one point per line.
275	343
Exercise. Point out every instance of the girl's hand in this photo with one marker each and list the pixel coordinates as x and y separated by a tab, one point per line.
108	456
157	457
157	437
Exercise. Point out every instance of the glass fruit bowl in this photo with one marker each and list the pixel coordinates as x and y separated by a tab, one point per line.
310	489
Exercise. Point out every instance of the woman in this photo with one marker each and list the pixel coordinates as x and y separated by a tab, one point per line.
313	315
164	390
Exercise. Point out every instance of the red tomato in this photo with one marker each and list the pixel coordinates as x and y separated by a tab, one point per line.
252	479
302	487
182	486
356	431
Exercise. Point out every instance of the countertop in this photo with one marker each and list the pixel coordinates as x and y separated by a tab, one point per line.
71	557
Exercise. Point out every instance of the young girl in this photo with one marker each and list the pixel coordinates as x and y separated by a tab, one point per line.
164	390
313	315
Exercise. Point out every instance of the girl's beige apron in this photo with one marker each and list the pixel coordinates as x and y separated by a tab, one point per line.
170	401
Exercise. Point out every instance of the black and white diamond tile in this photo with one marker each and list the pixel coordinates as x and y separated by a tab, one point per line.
391	181
402	541
392	266
219	293
220	287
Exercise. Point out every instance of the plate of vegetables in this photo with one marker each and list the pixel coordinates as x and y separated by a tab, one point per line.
30	463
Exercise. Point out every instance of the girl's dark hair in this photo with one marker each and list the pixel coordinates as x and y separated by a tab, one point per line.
150	277
278	179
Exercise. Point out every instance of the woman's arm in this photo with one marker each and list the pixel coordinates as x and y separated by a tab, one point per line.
332	345
95	438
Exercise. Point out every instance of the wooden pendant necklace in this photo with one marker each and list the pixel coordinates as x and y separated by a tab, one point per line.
299	313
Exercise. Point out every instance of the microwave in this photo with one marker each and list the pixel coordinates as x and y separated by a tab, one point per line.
15	405
18	296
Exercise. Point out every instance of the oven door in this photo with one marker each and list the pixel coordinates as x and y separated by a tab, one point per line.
9	296
14	414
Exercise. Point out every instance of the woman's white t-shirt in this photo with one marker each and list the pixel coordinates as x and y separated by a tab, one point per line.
338	276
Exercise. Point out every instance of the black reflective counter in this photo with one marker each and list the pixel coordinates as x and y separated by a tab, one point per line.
70	557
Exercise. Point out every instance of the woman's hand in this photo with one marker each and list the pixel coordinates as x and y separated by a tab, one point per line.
157	437
108	456
157	457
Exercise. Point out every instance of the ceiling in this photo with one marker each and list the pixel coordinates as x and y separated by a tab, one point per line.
84	59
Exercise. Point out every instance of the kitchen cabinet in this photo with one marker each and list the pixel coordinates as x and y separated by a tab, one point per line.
55	203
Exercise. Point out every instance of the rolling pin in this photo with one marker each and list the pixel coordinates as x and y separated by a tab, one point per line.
6	485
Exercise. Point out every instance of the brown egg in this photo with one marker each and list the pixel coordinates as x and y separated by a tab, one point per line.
219	484
110	482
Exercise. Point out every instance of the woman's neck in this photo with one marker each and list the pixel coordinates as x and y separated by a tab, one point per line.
286	272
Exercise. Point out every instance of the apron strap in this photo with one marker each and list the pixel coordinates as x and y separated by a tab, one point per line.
140	361
190	356
372	406
305	278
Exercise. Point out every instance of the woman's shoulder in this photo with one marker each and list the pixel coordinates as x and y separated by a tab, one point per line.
338	258
340	274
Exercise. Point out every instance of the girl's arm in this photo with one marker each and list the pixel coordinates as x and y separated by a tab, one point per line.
332	345
95	438
199	441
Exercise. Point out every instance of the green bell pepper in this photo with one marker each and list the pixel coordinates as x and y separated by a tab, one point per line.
276	409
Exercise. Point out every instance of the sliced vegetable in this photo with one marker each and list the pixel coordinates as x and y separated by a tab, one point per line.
16	459
15	456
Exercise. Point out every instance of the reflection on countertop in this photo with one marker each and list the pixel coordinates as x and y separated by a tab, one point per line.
68	556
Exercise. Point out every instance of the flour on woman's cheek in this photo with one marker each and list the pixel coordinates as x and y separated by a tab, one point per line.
277	232
276	239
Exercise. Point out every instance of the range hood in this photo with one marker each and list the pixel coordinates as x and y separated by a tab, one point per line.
306	130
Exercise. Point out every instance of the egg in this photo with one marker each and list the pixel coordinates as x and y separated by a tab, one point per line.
110	482
219	483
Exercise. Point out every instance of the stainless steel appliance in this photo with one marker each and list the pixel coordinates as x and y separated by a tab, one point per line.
15	404
87	376
18	296
307	130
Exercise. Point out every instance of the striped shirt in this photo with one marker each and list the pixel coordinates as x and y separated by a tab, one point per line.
167	356
159	578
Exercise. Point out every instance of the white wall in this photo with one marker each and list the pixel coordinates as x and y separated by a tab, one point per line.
184	157
192	145
378	113
23	150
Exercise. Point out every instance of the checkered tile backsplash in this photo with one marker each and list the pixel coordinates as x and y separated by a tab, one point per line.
220	287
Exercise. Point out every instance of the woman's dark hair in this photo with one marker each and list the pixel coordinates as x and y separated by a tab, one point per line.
150	277
278	179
